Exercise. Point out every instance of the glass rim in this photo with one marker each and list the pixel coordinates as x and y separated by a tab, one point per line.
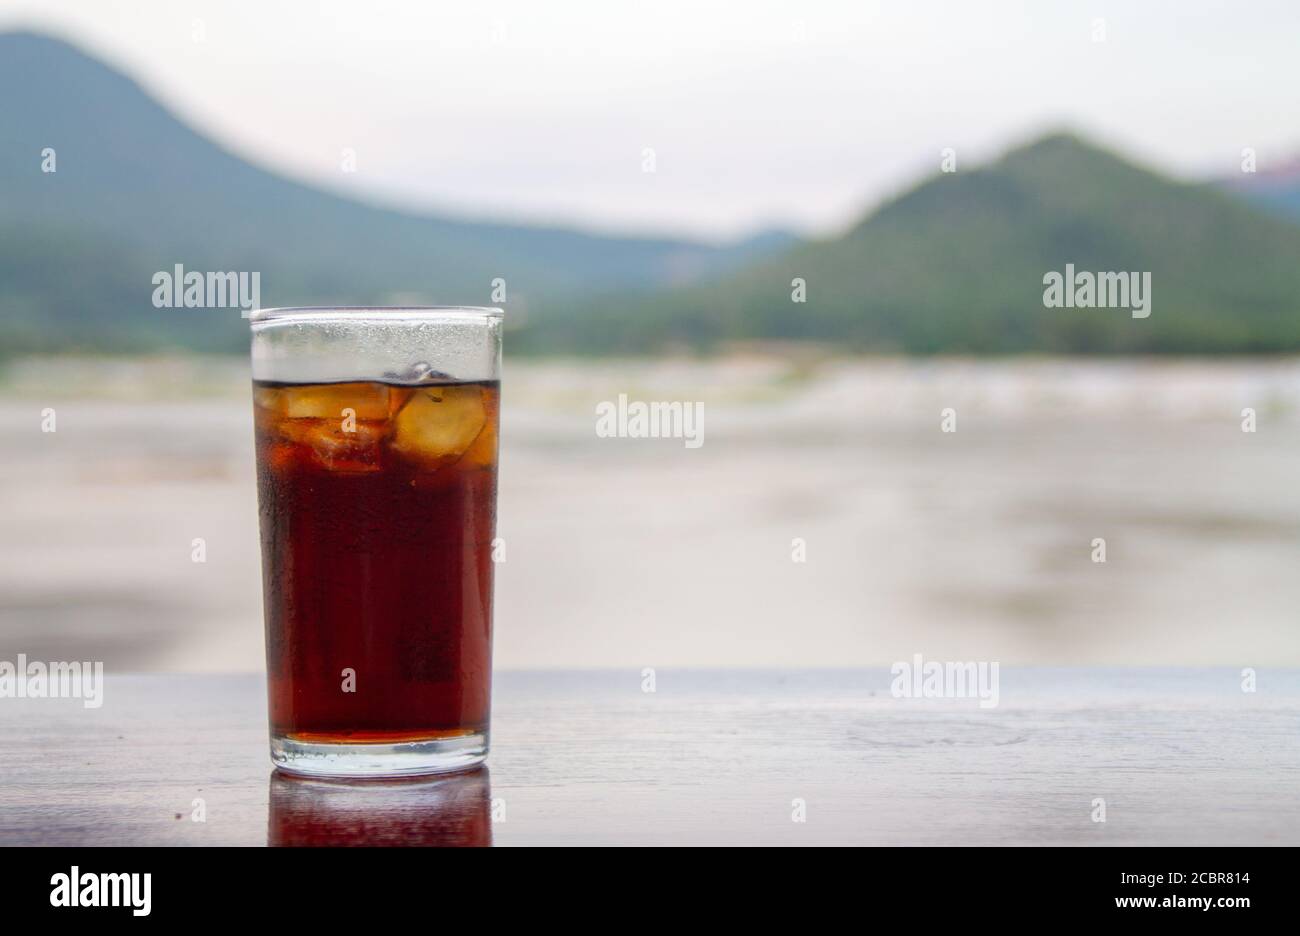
357	313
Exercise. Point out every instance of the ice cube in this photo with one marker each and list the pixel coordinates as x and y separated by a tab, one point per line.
273	399
482	452
438	423
334	447
365	400
419	372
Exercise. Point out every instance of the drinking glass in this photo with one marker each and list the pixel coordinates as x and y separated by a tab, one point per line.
376	434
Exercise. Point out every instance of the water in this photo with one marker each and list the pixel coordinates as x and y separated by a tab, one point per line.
975	544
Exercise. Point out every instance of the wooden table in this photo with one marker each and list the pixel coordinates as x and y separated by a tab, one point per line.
1178	756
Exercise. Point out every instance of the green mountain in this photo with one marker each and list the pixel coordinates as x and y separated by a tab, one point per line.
1276	189
136	192
957	265
954	265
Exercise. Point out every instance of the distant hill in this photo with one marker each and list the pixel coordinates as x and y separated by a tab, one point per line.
1275	189
957	265
137	191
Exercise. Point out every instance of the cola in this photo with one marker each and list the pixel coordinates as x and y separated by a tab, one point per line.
378	512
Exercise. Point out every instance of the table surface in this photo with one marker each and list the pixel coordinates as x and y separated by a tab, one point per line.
1179	756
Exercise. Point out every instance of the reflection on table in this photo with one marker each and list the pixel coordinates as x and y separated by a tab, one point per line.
452	810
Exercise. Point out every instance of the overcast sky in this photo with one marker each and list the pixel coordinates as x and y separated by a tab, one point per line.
800	114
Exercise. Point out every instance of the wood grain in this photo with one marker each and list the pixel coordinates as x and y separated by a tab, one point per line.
1179	756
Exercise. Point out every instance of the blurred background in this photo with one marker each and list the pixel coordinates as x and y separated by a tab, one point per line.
647	184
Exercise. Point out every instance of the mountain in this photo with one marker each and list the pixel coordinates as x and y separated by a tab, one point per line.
136	191
957	264
1276	189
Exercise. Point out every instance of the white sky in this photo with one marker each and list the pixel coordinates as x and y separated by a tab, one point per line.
794	113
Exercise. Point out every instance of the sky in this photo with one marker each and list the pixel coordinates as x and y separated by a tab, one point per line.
751	114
